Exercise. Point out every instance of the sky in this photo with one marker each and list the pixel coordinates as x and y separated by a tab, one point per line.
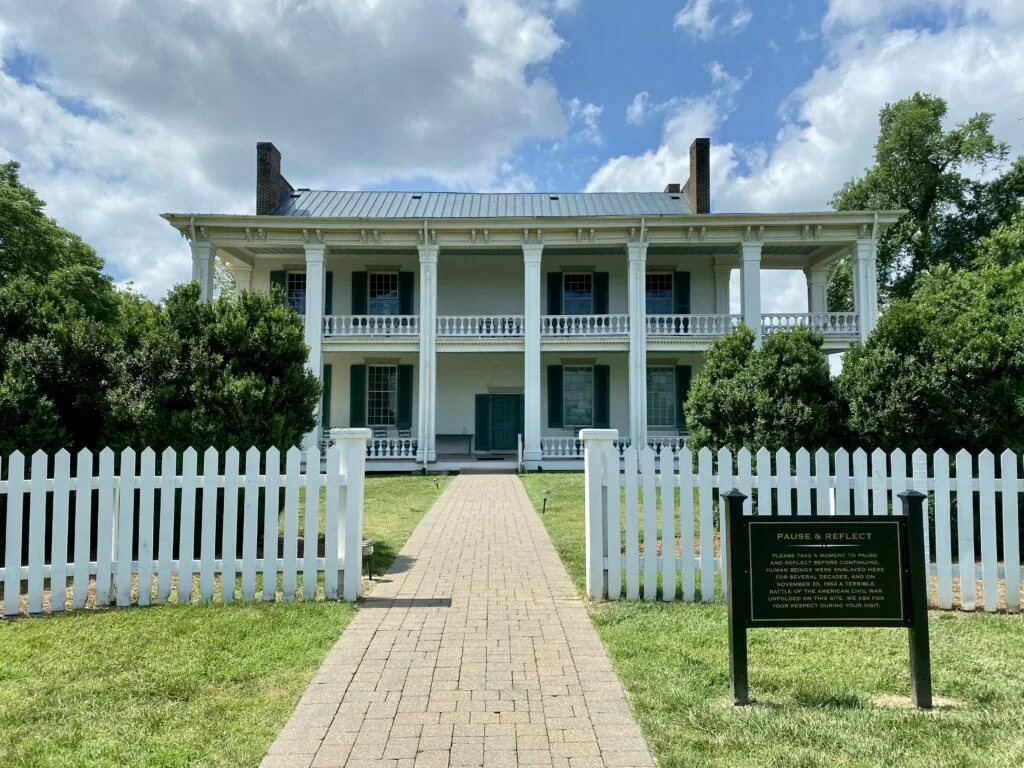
119	111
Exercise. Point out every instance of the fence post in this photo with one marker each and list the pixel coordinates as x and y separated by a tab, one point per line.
596	445
352	443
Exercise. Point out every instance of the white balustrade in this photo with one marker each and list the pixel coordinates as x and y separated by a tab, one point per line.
371	325
672	443
480	326
711	326
584	325
572	447
826	323
391	448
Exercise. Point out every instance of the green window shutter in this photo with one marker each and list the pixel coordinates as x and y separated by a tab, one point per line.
360	287
483	422
325	399
404	419
554	293
683	374
277	278
681	292
405	289
555	396
329	293
600	293
602	396
357	396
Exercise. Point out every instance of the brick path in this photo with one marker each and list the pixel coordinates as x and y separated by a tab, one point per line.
474	650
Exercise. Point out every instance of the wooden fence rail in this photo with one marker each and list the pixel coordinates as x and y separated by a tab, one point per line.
652	517
128	534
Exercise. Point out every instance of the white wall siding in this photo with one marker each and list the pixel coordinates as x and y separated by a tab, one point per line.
479	284
463	375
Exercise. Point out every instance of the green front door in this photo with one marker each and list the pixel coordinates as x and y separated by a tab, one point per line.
504	422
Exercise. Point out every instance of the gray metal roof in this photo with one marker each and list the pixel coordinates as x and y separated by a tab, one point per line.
462	205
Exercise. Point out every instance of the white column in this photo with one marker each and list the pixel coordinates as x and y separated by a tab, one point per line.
243	279
750	287
531	353
637	301
865	286
314	320
723	273
817	288
426	450
203	254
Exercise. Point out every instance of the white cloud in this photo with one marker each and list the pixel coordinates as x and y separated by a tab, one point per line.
583	122
636	112
700	18
139	109
741	18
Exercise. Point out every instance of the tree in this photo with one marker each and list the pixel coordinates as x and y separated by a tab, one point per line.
919	166
945	368
779	396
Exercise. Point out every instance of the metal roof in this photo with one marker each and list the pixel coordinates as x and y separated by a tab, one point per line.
462	205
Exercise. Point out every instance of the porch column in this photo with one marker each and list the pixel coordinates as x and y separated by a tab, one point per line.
314	320
203	255
426	450
243	279
750	287
531	352
817	288
637	343
723	273
865	286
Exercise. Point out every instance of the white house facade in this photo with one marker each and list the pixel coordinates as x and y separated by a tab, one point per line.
469	328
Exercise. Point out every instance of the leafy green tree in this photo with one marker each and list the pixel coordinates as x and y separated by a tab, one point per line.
921	167
945	368
779	396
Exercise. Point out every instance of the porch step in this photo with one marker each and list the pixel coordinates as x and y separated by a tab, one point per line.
489	468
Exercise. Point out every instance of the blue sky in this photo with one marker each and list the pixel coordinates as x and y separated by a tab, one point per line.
120	111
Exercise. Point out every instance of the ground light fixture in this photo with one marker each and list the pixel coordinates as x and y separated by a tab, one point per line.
545	494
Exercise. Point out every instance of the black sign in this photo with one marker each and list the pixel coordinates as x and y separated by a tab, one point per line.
848	571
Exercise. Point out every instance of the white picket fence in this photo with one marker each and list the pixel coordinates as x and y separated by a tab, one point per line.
636	501
129	556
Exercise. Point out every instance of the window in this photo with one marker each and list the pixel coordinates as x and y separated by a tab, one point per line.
577	293
296	291
661	396
659	294
384	293
578	396
381	395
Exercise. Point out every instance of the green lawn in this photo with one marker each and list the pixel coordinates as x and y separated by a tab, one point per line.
821	693
173	686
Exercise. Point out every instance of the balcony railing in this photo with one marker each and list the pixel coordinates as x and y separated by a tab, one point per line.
391	448
584	325
829	324
371	325
480	326
708	326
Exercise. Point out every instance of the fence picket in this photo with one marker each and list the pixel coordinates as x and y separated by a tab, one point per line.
803	482
229	531
1011	531
725	482
124	528
898	473
707	529
208	524
12	548
783	468
965	530
879	492
764	482
650	523
629	470
987	516
83	528
919	462
37	532
291	523
668	526
822	491
165	552
187	525
250	517
686	511
860	482
613	523
943	532
332	523
105	529
59	536
744	479
311	524
147	490
842	461
271	496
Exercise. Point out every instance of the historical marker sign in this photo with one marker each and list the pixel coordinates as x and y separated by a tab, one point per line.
849	571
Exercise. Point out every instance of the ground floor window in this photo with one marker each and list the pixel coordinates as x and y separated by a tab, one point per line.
578	396
661	396
384	293
295	288
381	395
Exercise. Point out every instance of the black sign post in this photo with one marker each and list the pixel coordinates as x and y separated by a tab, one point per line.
827	571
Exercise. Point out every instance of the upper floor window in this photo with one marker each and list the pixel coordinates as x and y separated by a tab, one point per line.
578	396
661	396
295	288
659	294
577	293
381	395
384	293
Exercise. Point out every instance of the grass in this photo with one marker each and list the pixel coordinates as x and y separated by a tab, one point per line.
825	697
177	685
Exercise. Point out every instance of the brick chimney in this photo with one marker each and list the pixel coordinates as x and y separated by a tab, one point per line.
698	186
271	186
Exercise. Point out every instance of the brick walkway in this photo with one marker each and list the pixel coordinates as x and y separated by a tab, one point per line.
474	650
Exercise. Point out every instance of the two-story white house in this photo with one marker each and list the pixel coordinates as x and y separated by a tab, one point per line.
464	328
